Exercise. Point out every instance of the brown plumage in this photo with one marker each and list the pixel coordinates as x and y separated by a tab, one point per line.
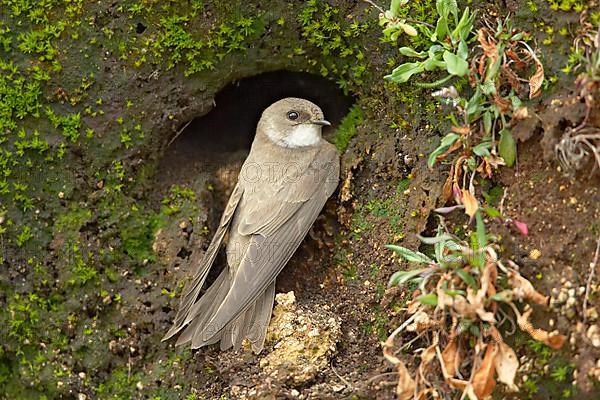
284	183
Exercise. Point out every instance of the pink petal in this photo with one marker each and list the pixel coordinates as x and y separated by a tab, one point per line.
521	227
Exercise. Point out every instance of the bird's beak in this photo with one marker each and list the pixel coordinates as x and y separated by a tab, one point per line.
322	122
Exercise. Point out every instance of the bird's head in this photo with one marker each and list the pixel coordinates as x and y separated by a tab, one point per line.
293	123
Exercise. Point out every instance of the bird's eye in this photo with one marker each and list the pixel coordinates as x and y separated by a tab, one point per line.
293	115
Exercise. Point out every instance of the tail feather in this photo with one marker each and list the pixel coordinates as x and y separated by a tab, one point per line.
203	310
263	309
251	324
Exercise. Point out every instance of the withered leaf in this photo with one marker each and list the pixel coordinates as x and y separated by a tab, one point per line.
506	364
483	378
503	104
488	44
537	79
461	130
524	290
551	339
451	357
405	389
470	203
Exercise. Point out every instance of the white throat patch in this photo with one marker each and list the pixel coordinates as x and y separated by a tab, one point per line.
303	135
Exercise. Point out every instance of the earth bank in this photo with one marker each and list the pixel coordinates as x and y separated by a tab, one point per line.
100	224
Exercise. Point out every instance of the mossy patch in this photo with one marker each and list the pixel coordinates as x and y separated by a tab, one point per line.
347	129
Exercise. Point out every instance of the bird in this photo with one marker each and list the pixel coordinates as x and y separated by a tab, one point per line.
284	183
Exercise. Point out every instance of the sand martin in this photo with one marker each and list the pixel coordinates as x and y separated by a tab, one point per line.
283	184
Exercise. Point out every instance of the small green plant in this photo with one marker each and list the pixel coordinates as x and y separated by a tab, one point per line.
501	70
24	236
449	48
465	292
178	197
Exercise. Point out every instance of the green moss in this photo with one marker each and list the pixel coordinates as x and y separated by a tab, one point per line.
347	129
337	39
121	384
567	5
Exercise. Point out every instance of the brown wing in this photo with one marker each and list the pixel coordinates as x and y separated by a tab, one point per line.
192	290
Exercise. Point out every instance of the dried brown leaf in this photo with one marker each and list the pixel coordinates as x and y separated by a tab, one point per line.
524	290
515	57
453	382
477	298
506	364
405	390
537	79
406	387
488	44
451	357
413	307
428	354
447	188
455	146
463	308
485	169
481	66
551	339
503	104
470	203
461	130
495	161
428	393
422	322
483	378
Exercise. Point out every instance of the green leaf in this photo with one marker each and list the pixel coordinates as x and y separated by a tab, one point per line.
455	65
441	28
435	239
410	52
463	50
488	88
433	63
446	142
507	147
483	148
492	212
515	101
474	105
403	72
464	26
395	7
487	122
467	278
410	255
481	235
453	293
430	299
453	8
401	277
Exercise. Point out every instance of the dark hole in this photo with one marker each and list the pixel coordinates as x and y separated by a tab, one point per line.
140	28
183	253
